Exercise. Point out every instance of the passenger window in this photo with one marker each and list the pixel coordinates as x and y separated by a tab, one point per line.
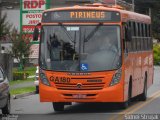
132	41
138	37
143	35
145	40
149	30
146	30
134	29
139	32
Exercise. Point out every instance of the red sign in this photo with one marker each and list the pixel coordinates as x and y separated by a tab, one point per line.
29	29
33	4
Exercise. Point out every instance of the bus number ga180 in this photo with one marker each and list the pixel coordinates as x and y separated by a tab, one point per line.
60	79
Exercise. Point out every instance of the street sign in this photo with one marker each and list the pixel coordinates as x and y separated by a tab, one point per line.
31	15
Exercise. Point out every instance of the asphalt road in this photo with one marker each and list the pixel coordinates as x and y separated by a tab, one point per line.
29	108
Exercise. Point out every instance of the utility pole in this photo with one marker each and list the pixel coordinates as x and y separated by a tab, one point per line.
133	5
0	8
150	12
115	2
0	19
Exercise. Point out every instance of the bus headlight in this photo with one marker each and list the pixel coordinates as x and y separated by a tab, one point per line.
116	78
44	79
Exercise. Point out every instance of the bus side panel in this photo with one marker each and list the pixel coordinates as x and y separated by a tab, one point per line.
147	68
151	69
136	73
144	70
128	73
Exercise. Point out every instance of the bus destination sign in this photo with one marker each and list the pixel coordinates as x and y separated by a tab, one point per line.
81	16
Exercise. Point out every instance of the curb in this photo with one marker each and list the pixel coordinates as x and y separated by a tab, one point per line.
23	95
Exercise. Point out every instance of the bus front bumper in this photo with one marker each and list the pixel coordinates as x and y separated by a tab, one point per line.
108	94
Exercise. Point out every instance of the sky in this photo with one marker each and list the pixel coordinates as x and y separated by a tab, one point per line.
13	17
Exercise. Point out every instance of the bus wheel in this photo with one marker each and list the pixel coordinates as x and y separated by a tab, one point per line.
127	103
143	96
58	106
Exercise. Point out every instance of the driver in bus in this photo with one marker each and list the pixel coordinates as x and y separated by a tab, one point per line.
54	47
109	44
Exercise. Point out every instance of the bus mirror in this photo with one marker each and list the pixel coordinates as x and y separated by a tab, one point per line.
128	34
35	34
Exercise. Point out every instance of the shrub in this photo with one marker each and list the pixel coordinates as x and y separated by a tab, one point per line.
156	49
20	75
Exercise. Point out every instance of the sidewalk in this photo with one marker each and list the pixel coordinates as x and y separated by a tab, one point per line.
25	84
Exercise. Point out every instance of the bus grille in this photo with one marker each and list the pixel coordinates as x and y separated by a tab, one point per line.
85	86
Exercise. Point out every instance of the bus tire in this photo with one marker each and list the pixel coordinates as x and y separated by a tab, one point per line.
143	96
127	103
58	106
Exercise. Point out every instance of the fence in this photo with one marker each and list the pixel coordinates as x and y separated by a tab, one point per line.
6	62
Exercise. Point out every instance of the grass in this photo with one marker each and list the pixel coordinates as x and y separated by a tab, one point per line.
22	90
30	70
21	81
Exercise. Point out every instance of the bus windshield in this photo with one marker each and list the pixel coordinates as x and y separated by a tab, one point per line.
80	48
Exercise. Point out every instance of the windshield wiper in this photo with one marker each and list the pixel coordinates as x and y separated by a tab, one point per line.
93	32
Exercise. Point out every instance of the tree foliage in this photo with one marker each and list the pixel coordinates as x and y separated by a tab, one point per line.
20	42
156	50
155	21
21	48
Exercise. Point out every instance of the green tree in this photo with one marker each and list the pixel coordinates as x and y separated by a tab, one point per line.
155	21
156	50
21	48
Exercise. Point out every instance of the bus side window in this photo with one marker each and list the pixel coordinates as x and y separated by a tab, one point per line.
138	37
146	36
127	37
151	42
141	36
132	41
129	42
124	37
134	36
149	39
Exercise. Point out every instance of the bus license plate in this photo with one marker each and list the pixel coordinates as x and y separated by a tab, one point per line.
79	96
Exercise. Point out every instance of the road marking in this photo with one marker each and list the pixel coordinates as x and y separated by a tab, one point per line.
136	107
145	103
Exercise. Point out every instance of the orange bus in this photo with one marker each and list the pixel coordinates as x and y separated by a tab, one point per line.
94	53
